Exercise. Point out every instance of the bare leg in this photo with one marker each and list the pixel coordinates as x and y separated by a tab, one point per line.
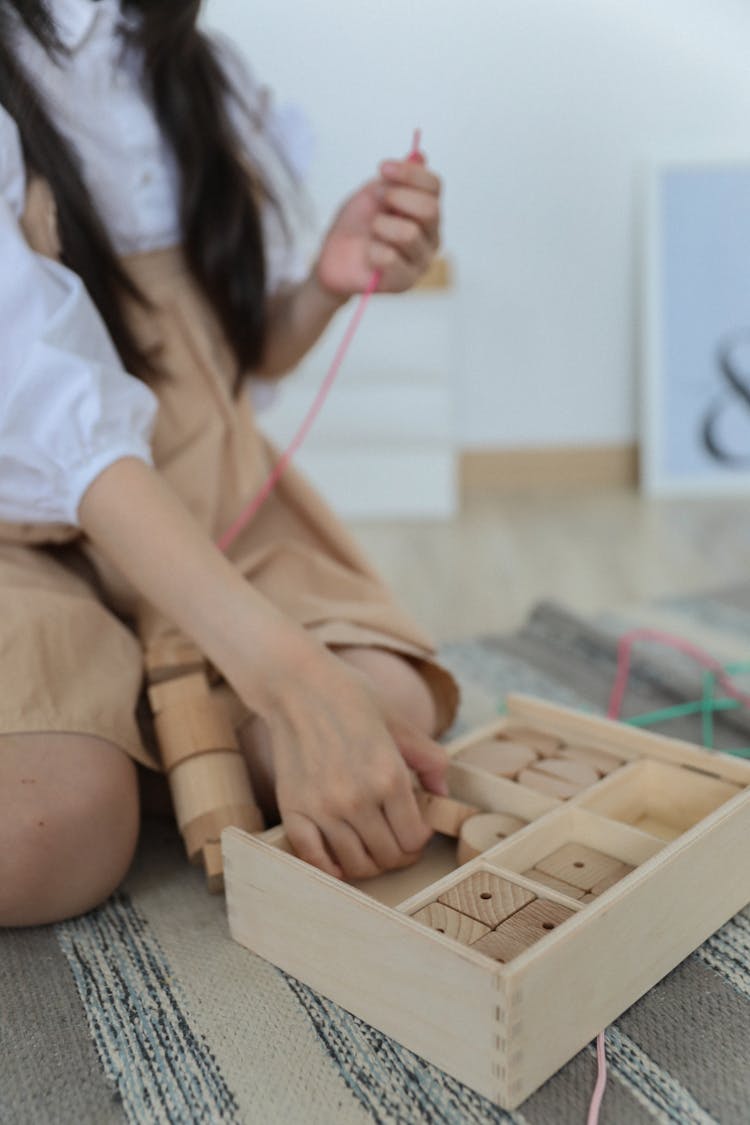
68	825
397	684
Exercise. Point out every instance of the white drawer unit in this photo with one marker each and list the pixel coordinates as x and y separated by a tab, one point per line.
383	446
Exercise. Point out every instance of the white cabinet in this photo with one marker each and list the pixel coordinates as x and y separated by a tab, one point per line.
383	445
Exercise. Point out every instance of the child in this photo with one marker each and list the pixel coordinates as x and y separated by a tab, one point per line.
143	274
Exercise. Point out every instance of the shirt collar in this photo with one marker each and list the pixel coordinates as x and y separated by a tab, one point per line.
74	20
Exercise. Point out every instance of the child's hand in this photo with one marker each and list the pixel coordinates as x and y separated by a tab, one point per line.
391	224
342	773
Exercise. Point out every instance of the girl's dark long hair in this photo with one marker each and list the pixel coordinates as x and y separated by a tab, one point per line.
219	211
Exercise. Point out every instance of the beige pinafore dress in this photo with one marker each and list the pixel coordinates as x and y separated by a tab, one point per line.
70	659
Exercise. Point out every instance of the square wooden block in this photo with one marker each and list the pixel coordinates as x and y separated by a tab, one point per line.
583	867
451	923
554	884
487	898
523	929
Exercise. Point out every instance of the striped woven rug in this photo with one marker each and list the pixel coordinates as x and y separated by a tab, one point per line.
145	1011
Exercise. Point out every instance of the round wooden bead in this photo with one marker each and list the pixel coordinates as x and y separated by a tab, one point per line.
538	740
498	756
549	785
601	760
577	773
483	831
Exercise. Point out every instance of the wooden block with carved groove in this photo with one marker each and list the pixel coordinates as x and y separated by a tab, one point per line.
523	929
486	897
583	867
451	922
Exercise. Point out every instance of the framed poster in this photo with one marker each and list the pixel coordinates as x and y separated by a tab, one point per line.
695	406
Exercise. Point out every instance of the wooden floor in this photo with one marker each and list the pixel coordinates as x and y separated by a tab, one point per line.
482	572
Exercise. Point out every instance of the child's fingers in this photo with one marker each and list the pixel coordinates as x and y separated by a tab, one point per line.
427	758
404	235
411	174
398	273
405	819
383	843
412	204
307	843
346	845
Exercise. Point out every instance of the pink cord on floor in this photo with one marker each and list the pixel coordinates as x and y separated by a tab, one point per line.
624	649
601	1081
229	536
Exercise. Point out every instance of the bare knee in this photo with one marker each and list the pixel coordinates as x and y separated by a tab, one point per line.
398	684
68	825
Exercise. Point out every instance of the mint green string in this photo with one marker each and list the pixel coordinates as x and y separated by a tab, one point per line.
706	707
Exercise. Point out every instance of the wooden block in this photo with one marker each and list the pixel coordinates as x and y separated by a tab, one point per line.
171	656
178	691
214	867
196	725
481	832
437	276
583	867
205	830
523	929
498	756
554	884
545	783
613	877
601	760
444	814
589	897
538	740
577	773
452	923
487	897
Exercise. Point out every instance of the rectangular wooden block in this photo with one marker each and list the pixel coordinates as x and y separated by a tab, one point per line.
487	898
522	929
583	867
450	922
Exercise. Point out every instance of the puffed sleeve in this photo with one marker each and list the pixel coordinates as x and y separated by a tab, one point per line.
68	409
279	141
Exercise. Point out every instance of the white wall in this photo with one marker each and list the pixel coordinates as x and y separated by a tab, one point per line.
539	114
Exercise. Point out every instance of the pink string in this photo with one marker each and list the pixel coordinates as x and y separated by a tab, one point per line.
624	649
601	1081
249	511
697	654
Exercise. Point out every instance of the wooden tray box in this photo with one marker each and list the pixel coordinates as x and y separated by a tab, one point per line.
678	816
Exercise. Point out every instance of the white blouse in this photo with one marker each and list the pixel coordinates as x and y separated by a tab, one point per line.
68	409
